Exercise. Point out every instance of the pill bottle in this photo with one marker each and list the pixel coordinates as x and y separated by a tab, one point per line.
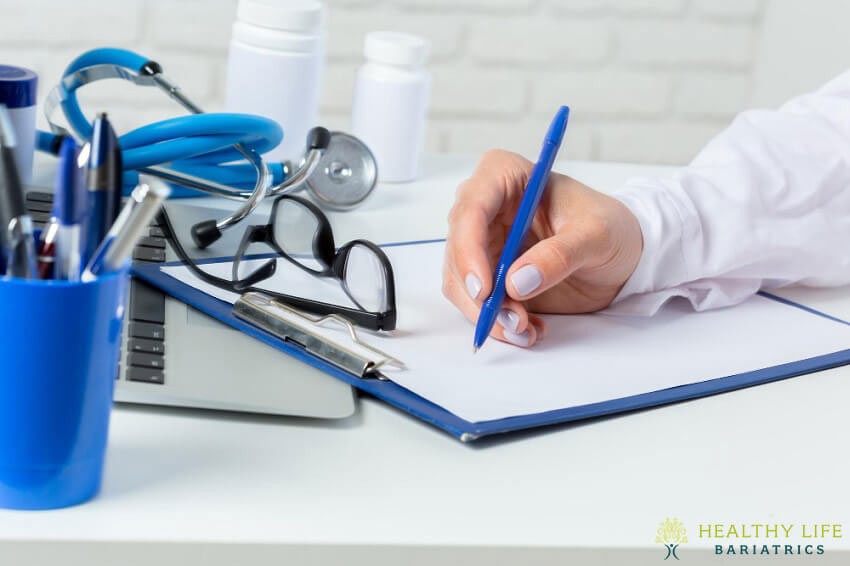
274	67
390	108
18	93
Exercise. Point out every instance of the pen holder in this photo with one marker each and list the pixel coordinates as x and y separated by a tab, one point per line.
59	348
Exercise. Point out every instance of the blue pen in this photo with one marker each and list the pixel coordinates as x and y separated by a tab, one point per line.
70	205
103	182
522	222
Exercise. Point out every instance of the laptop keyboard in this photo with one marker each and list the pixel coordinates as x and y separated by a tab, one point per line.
145	360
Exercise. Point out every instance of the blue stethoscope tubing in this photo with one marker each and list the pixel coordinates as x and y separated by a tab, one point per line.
201	145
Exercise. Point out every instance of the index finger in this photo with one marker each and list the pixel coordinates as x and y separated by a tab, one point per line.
499	177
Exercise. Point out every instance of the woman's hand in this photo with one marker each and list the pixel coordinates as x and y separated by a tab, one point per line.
581	249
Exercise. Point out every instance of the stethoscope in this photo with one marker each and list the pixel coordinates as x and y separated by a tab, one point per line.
337	169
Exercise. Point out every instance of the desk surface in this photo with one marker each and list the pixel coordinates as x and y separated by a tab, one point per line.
380	479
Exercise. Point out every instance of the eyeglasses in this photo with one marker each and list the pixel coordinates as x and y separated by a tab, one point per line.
299	232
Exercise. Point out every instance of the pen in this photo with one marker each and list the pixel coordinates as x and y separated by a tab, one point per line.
47	248
130	226
521	224
70	204
67	179
103	182
16	233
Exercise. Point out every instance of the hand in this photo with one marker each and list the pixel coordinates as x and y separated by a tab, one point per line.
581	249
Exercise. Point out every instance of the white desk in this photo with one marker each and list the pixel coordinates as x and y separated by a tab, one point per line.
185	487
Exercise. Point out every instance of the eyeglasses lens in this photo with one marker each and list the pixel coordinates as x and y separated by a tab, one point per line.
295	228
365	279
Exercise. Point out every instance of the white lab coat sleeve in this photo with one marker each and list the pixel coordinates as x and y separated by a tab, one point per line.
765	204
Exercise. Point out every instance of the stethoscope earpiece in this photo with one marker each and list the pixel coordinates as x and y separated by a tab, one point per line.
205	233
318	138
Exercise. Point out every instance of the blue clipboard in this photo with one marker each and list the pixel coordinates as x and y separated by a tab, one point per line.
467	431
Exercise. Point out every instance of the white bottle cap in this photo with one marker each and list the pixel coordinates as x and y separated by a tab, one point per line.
395	48
303	16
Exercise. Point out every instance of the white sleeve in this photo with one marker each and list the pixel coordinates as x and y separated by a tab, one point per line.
765	204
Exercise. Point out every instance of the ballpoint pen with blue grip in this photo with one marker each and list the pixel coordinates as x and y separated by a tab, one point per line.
103	182
70	206
522	223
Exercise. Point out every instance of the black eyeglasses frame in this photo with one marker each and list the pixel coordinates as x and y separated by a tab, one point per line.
332	260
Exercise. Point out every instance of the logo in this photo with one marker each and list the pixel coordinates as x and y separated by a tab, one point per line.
671	533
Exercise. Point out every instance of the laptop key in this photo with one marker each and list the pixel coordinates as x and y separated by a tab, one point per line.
149	254
146	346
154	361
40	216
39	206
147	330
156	232
146	375
146	303
40	196
152	242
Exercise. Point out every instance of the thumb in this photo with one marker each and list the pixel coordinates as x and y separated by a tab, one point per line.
546	264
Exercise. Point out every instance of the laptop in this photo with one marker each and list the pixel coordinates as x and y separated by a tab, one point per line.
175	355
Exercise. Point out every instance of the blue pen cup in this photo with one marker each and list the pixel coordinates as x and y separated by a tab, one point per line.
59	348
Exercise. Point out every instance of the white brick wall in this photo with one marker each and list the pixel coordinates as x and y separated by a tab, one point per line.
648	80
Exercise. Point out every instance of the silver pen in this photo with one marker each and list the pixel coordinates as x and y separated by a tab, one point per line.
130	226
16	231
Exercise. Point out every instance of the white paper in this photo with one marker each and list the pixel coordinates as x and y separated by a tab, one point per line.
584	359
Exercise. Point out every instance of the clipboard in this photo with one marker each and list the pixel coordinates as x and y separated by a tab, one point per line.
363	374
374	385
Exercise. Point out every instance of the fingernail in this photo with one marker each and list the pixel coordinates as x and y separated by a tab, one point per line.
522	339
526	279
473	285
508	319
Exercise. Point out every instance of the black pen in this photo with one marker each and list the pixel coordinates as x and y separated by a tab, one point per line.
103	182
16	233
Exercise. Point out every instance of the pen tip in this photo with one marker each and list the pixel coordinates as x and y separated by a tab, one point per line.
475	349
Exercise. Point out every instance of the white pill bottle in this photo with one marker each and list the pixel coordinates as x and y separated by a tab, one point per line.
275	65
391	96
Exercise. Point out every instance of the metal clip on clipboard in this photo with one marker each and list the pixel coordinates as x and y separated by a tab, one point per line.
293	326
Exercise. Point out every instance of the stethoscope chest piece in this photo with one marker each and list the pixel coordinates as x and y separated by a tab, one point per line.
346	174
